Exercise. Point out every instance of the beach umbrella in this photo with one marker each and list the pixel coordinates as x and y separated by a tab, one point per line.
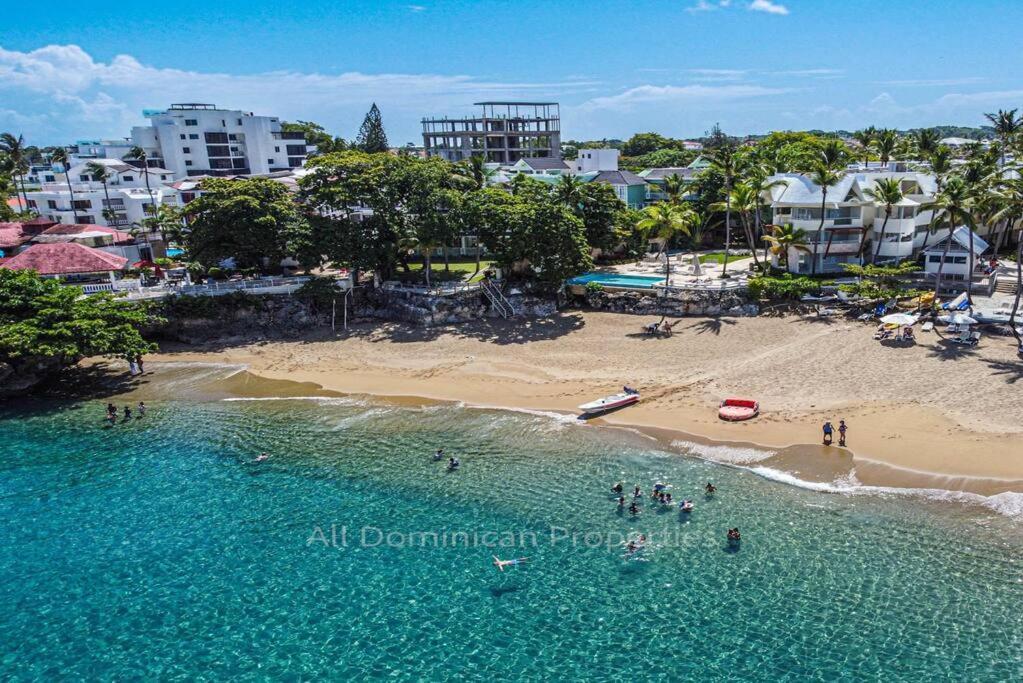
899	319
958	319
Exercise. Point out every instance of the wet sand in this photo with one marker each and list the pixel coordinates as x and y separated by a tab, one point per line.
927	416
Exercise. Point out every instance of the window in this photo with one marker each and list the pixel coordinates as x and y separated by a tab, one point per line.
296	150
182	136
85	220
239	122
959	259
51	204
193	136
31	203
188	162
187	197
186	150
277	149
49	178
217	151
84	178
128	178
232	137
269	161
223	123
191	122
82	204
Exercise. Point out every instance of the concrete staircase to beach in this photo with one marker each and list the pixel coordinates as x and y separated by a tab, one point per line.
1005	285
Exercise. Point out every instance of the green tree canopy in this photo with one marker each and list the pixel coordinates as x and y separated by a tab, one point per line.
372	137
253	220
42	317
315	134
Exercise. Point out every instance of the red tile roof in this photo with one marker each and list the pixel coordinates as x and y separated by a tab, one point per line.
12	235
65	258
79	228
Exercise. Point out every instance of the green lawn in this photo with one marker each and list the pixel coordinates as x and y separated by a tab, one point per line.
715	257
465	268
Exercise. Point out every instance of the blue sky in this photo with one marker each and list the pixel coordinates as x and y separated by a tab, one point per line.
71	70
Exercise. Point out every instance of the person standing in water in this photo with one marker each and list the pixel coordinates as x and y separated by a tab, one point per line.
142	409
841	432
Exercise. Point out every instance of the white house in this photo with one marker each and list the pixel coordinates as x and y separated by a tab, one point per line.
540	166
126	189
200	139
852	217
957	259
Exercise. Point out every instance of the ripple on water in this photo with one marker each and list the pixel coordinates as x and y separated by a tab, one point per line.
159	548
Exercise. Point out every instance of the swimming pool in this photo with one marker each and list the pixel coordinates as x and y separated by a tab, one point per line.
173	252
618	280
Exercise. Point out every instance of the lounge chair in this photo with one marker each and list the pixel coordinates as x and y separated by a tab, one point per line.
927	326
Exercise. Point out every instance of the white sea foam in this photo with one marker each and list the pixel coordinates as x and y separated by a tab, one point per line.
734	455
326	400
1009	504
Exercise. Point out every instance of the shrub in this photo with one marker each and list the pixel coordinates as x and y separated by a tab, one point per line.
319	293
217	273
594	287
785	286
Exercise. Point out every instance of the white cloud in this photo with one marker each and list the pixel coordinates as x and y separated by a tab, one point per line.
718	74
768	6
678	95
416	8
934	82
66	94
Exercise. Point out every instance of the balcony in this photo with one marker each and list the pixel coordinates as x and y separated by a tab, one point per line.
289	135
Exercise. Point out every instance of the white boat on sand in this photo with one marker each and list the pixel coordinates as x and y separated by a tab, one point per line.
602	405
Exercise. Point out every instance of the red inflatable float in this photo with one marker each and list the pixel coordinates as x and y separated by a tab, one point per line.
735	409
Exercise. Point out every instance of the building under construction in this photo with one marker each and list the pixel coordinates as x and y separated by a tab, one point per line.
503	133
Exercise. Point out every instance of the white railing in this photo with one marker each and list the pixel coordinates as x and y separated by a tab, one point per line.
440	289
714	285
497	298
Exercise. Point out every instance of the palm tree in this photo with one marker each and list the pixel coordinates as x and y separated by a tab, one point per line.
887	192
1019	290
953	203
696	229
101	174
885	144
569	190
139	154
663	221
824	176
59	156
758	176
926	142
473	172
743	199
725	160
941	166
866	139
674	188
785	237
1007	125
14	148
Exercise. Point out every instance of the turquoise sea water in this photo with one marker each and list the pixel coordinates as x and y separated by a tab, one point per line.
156	549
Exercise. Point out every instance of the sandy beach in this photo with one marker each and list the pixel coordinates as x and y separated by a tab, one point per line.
933	415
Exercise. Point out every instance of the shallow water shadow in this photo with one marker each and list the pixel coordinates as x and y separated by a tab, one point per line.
593	416
1012	370
732	548
501	591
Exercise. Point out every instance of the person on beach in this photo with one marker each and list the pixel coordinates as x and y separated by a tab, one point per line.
828	431
138	362
142	409
841	432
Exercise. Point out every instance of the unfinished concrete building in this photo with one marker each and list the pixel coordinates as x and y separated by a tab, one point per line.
503	133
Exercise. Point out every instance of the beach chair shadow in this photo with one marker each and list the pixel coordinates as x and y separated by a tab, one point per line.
946	349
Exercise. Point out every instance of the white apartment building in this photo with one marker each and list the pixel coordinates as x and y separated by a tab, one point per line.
852	217
126	189
200	139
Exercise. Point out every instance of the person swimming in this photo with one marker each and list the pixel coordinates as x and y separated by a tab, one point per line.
501	564
686	506
617	488
636	493
621	501
261	457
439	455
453	463
634	509
710	488
734	536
